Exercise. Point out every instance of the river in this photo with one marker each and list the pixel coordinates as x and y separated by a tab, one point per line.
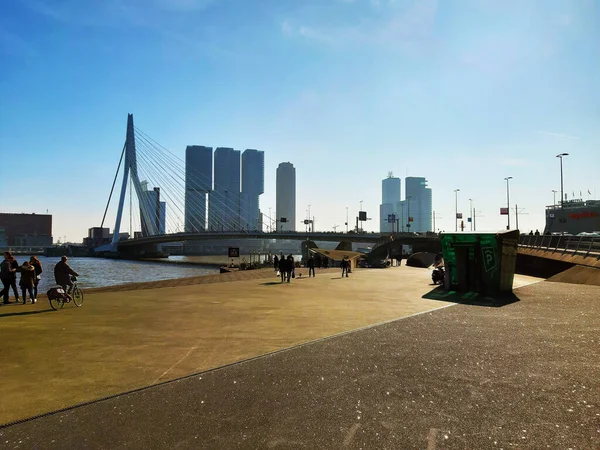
99	272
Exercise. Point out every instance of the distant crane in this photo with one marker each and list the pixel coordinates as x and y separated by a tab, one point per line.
335	227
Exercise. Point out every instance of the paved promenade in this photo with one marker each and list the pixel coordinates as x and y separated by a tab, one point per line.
124	340
524	375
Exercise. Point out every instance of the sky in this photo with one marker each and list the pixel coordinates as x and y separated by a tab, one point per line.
464	93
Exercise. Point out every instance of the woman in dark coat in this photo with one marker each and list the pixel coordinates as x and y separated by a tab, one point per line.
27	281
37	265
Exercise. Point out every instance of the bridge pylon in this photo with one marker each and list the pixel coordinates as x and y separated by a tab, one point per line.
149	212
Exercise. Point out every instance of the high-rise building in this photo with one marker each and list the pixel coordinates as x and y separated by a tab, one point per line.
286	197
390	189
225	203
253	185
198	183
418	204
150	210
163	218
390	202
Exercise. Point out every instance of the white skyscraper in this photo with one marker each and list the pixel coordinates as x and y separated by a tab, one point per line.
418	204
390	201
286	197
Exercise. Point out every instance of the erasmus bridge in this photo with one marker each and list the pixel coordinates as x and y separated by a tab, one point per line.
153	188
160	214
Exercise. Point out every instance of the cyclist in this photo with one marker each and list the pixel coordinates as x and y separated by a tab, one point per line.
62	275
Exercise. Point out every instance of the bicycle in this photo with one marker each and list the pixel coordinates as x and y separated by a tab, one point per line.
58	297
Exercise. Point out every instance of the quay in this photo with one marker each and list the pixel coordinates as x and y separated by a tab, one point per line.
365	362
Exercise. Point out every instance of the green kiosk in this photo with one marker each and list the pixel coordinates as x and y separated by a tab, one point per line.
480	262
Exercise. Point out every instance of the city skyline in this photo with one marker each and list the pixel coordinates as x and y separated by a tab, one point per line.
463	106
413	213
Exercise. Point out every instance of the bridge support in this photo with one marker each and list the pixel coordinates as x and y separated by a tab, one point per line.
148	211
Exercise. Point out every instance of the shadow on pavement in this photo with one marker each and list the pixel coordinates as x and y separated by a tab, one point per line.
271	283
24	313
470	298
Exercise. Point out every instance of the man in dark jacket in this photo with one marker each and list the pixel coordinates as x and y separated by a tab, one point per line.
8	275
289	267
282	268
311	266
62	274
344	265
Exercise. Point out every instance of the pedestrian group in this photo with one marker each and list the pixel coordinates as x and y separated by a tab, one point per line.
286	268
31	274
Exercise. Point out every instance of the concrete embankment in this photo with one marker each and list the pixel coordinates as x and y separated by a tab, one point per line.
578	275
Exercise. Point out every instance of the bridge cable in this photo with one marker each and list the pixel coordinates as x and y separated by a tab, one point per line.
215	194
196	175
113	185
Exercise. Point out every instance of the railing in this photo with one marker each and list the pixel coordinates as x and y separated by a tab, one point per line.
576	245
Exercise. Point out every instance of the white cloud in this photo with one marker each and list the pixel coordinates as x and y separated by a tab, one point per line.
408	29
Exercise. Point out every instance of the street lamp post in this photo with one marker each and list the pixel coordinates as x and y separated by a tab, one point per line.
456	191
408	212
471	212
562	192
508	202
361	228
309	224
554	191
346	219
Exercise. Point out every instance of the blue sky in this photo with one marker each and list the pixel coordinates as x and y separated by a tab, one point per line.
463	93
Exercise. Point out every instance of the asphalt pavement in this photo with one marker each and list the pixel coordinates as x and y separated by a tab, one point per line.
524	375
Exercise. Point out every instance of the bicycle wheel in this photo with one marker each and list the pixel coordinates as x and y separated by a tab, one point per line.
77	296
56	303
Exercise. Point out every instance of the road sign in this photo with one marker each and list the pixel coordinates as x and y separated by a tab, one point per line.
234	252
391	218
489	258
362	216
504	211
459	215
410	219
283	219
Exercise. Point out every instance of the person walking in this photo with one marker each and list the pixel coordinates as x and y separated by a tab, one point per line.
7	274
311	266
27	281
37	265
276	263
15	265
282	268
289	267
344	266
